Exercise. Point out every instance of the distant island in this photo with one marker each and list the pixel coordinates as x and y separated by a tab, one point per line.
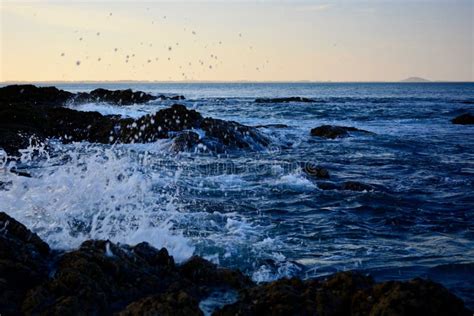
415	79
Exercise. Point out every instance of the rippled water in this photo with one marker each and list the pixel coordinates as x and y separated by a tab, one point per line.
257	210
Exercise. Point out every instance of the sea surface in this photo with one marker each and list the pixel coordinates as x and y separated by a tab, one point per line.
256	209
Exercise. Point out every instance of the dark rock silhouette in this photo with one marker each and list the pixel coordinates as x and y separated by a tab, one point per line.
24	121
334	131
464	119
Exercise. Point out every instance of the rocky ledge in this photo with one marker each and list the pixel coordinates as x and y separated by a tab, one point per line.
52	96
104	278
31	114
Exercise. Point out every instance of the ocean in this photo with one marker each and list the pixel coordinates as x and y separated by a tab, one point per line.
255	209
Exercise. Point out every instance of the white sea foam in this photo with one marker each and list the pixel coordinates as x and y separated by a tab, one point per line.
100	194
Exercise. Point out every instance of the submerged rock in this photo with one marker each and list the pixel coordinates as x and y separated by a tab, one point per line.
464	119
347	186
314	171
333	131
283	100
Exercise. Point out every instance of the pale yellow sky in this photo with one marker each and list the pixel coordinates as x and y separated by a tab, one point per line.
236	40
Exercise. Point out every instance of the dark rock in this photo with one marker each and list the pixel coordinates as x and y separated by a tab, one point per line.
272	126
23	263
119	97
233	134
464	119
174	98
314	171
333	131
415	297
328	186
101	277
347	186
19	123
203	272
184	141
346	293
297	297
283	100
356	186
53	97
32	95
176	304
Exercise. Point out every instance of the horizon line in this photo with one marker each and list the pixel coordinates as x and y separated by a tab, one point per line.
219	81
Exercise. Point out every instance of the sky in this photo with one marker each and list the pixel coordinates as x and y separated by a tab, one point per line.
371	40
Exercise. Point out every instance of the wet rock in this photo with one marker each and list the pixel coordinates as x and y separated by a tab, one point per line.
174	98
176	304
233	134
314	171
356	186
346	293
32	95
297	297
415	297
23	263
283	100
347	186
18	123
101	277
333	131
203	272
119	97
272	126
464	119
53	97
184	141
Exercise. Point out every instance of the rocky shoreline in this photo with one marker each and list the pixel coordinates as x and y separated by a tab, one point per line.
104	278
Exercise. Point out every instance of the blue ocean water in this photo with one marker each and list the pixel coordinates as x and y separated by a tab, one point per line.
256	209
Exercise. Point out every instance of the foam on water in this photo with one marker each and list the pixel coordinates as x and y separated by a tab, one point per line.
95	193
133	111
